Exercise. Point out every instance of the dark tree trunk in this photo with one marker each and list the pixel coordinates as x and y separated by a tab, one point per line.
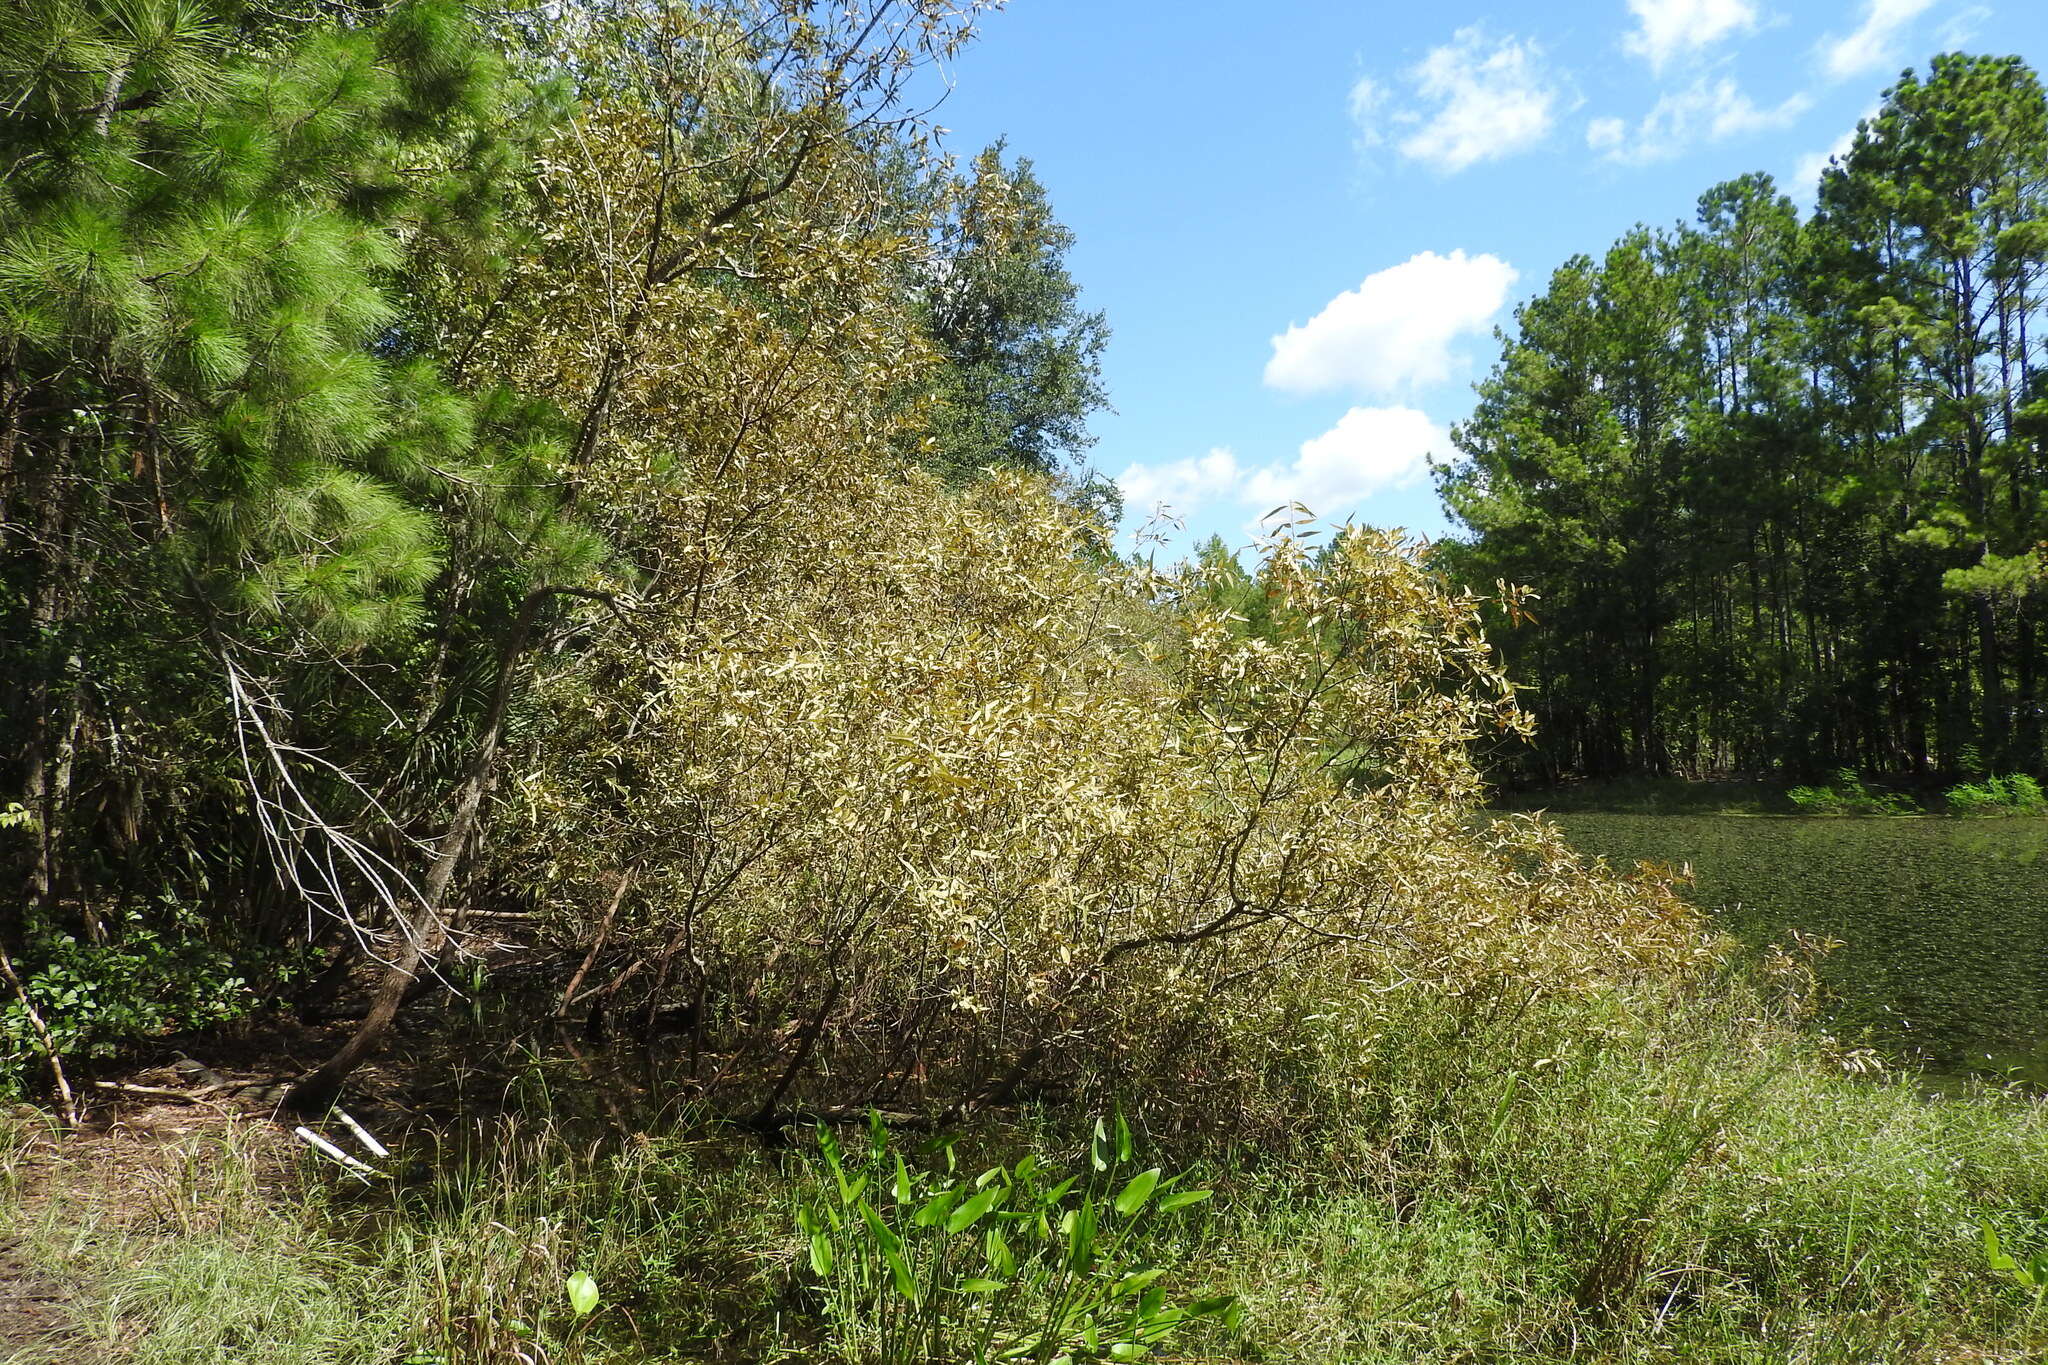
423	929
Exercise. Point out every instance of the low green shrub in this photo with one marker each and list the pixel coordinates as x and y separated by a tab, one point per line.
152	973
1848	794
2013	794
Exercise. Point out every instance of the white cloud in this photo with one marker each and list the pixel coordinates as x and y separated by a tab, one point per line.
1806	175
1182	486
1396	329
1670	28
1474	99
1366	98
1606	134
1959	30
1875	43
1368	451
1702	112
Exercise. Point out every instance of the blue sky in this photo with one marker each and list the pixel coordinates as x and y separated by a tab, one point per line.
1305	218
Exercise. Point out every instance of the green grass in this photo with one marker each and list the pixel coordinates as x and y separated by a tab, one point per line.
1678	1177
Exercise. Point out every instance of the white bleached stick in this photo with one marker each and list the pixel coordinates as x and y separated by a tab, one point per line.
328	1149
370	1144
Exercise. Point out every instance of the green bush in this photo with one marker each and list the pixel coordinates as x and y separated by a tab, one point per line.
153	974
1848	795
2013	794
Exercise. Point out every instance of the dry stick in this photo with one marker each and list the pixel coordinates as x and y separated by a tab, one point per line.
611	987
424	930
165	1092
35	1021
597	944
334	1153
363	1135
198	1097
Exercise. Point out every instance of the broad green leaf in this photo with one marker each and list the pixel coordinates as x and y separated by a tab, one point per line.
878	1136
1135	1281
884	1236
934	1209
892	1251
899	1271
970	1213
1081	1237
582	1294
1994	1253
1180	1199
1137	1192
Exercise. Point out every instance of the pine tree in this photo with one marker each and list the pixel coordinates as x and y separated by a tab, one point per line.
228	459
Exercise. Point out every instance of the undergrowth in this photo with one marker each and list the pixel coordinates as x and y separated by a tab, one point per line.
2012	794
1671	1177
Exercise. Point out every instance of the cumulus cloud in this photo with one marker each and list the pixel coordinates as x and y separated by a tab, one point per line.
1396	329
1705	111
1473	99
1369	451
1875	42
1180	487
1671	28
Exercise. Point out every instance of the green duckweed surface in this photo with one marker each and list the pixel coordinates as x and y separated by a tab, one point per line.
1944	923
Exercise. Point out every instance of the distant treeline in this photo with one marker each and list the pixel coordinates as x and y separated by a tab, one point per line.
1779	484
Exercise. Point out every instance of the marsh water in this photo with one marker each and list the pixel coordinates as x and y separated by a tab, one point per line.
1943	922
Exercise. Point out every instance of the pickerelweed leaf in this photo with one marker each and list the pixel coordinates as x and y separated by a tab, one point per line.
970	1213
1137	1192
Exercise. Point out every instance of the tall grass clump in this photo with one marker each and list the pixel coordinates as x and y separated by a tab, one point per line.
1676	1176
184	1253
532	1234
